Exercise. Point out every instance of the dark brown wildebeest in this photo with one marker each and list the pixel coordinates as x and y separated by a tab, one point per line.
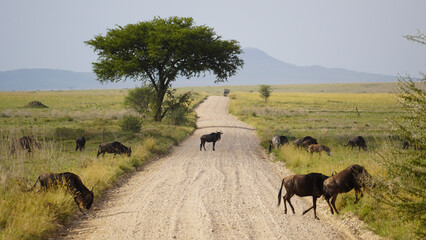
305	144
114	147
80	143
25	143
357	141
82	195
353	177
298	142
212	137
318	148
302	185
277	141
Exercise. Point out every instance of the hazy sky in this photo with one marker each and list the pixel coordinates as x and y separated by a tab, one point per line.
361	35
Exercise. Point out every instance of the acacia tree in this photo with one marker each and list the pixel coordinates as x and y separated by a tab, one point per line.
265	91
156	52
405	187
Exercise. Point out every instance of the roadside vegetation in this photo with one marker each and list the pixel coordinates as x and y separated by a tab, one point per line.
100	116
334	118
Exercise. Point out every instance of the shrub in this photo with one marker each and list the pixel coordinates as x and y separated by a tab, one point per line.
131	123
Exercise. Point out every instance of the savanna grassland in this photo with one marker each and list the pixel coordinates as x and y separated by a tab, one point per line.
95	114
332	118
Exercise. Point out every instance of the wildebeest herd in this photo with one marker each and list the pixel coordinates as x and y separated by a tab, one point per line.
313	184
83	197
316	184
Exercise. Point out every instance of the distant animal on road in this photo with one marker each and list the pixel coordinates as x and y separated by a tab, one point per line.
82	195
212	137
357	142
353	177
277	141
24	143
318	148
80	143
114	147
302	185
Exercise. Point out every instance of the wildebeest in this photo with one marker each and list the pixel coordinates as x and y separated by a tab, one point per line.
80	143
25	143
298	142
305	144
318	148
277	141
82	195
353	177
114	147
302	185
212	137
357	142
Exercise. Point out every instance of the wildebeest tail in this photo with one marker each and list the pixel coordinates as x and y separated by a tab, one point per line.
270	145
279	193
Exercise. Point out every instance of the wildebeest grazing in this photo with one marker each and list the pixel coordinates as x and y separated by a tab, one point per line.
25	143
302	185
277	141
318	148
305	144
114	147
357	142
299	142
353	177
80	143
82	195
212	137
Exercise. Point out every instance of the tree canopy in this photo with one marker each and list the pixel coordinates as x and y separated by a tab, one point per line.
156	52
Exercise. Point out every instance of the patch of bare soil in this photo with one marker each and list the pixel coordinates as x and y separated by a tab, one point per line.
230	193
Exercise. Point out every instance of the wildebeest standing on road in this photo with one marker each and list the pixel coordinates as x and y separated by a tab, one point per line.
353	177
80	143
82	195
302	185
277	141
357	142
114	147
212	137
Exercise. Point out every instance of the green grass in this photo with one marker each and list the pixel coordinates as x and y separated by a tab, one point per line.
96	114
331	118
306	88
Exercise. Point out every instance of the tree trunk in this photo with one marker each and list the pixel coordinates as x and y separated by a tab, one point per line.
159	102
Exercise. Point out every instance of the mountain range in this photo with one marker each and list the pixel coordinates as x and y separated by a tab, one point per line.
259	68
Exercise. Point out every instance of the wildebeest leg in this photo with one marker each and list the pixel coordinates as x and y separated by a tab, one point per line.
333	202
307	210
358	192
288	199
314	207
285	205
213	145
78	205
328	202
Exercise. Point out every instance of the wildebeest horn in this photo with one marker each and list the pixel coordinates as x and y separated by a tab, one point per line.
92	189
333	173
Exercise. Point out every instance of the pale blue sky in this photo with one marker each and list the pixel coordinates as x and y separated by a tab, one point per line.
360	35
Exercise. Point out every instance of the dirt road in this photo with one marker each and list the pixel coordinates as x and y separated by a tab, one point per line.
230	193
